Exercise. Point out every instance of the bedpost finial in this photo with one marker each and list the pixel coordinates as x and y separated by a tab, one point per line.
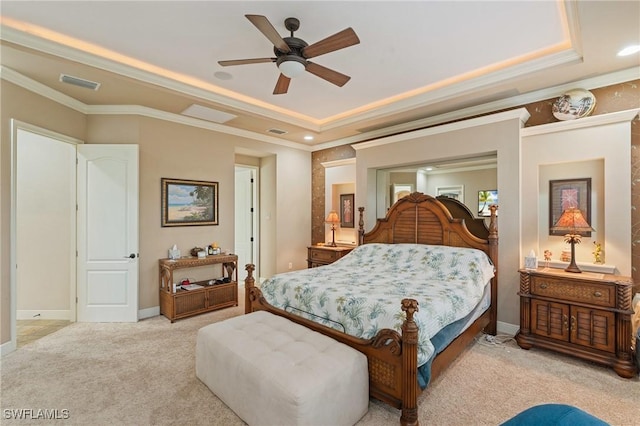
493	228
249	281
410	306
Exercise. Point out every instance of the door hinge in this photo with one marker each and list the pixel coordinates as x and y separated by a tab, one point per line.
251	209
251	180
251	239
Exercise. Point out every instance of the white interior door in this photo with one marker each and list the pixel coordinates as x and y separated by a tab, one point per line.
107	233
246	218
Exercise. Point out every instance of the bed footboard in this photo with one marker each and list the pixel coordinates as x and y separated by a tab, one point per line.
392	357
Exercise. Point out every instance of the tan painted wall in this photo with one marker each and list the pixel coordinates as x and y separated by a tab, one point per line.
179	151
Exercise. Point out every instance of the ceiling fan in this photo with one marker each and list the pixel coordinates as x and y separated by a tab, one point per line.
292	53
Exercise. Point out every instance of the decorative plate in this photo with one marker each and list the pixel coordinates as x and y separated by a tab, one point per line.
574	104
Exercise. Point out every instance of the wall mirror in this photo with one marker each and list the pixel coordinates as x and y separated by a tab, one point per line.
473	174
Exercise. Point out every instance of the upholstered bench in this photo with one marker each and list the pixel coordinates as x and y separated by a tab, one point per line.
272	371
554	414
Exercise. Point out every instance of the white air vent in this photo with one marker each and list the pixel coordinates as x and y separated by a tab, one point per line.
277	131
77	81
209	114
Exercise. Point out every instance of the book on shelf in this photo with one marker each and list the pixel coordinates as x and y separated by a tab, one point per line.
191	286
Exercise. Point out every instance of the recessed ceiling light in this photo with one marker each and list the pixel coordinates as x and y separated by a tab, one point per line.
308	138
629	50
428	168
221	75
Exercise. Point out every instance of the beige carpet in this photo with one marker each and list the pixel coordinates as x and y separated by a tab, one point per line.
143	374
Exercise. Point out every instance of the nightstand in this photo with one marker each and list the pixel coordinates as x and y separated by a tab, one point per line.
586	315
324	255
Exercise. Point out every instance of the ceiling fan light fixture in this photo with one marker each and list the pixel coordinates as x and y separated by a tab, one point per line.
291	66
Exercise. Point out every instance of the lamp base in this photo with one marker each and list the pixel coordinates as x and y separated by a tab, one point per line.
572	266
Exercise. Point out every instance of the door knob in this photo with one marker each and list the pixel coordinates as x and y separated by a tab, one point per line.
131	256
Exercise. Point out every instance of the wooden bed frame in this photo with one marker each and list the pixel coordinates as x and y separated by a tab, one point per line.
393	357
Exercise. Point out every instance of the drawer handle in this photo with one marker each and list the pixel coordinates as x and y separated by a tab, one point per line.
597	294
543	286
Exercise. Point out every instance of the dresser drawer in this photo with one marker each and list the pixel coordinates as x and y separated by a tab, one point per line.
323	255
584	292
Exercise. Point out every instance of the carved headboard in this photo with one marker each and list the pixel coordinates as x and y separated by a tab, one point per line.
422	219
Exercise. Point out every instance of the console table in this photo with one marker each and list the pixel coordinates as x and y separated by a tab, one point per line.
218	292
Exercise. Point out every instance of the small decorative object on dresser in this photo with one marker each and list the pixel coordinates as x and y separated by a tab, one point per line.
324	255
586	315
597	253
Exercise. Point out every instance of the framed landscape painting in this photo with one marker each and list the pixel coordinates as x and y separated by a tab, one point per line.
486	198
189	202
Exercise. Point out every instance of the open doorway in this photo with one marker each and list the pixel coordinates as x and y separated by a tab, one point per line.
44	227
246	217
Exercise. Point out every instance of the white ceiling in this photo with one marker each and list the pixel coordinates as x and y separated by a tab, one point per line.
416	59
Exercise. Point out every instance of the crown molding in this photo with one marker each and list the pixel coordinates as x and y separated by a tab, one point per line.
582	123
337	163
486	108
520	114
189	121
33	86
49	93
459	89
208	91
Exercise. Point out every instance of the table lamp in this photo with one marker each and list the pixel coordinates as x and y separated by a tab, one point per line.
572	221
333	219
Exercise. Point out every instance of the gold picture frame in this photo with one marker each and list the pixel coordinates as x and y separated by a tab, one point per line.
189	202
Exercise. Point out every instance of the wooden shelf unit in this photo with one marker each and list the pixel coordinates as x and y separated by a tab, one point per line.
586	315
185	303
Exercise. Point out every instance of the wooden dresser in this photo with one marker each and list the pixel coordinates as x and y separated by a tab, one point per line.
587	315
220	291
324	255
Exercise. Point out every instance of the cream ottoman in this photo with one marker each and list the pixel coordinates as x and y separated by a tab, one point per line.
272	371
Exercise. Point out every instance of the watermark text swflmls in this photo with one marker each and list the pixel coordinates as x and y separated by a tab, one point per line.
35	414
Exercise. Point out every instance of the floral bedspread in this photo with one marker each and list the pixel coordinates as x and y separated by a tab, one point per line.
360	293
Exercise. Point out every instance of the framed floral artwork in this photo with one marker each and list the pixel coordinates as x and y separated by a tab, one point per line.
346	211
567	193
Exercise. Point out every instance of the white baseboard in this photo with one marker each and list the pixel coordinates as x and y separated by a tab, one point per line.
27	314
7	347
148	312
506	328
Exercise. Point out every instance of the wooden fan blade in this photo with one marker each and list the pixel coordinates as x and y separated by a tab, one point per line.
344	38
245	61
282	85
265	27
328	74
